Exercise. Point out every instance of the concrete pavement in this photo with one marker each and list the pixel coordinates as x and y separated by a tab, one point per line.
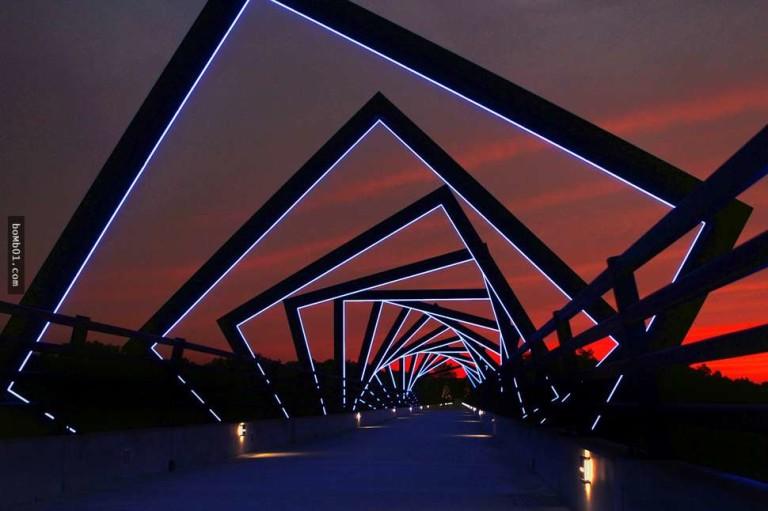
434	460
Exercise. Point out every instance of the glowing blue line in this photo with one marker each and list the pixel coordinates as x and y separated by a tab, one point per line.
509	316
468	322
680	267
493	225
437	363
247	345
125	196
464	338
157	353
425	367
382	239
381	384
653	318
688	253
457	192
24	362
214	415
344	323
16	394
415	349
477	351
502	347
358	300
274	224
427	360
138	175
472	376
481	106
391	357
519	397
468	202
472	354
615	345
458	233
340	264
392	376
373	337
437	319
594	424
394	281
615	386
192	88
430	167
443	352
394	337
413	366
467	368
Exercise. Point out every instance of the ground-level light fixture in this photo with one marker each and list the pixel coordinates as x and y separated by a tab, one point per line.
586	469
241	429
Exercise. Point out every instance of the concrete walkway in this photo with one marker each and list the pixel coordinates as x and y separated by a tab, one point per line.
435	460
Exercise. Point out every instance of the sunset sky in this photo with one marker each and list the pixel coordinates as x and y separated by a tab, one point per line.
686	81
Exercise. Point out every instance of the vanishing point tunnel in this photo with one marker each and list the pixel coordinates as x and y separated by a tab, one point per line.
436	394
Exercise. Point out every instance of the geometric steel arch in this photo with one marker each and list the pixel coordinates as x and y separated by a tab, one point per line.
380	111
340	294
451	72
441	198
543	119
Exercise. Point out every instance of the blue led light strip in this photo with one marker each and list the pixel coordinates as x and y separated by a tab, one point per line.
504	118
122	201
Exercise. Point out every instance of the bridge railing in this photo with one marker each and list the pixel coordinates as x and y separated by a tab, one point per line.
636	357
82	325
80	330
739	173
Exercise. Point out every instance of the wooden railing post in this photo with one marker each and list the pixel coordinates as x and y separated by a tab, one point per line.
626	294
177	353
79	334
642	385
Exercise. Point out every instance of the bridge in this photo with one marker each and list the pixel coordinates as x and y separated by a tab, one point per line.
536	423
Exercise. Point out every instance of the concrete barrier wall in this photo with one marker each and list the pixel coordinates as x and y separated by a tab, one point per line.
38	469
620	482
